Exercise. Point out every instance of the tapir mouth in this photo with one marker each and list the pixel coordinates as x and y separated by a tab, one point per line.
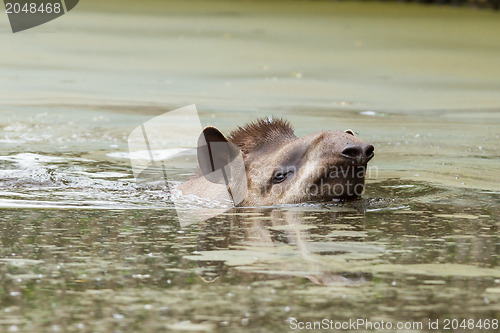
340	182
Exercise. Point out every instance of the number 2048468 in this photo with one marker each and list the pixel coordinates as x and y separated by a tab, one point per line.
33	8
470	324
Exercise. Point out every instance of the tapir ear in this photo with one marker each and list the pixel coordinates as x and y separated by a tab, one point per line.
214	153
348	131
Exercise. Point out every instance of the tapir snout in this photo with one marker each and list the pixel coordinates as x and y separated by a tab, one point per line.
359	153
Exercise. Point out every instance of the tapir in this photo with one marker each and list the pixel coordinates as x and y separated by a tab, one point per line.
277	167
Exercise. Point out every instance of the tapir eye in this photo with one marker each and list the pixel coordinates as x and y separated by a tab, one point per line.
279	177
349	132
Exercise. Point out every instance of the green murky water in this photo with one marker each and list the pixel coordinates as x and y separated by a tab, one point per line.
407	252
85	248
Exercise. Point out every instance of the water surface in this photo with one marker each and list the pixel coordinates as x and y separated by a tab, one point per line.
86	248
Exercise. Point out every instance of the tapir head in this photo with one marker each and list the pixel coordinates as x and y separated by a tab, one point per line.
278	167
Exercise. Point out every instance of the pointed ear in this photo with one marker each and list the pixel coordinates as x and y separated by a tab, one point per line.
215	152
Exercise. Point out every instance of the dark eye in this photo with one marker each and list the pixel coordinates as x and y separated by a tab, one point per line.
279	177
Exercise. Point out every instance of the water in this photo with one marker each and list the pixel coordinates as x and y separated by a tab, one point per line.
85	248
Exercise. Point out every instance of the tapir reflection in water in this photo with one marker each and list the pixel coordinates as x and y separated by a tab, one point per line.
274	244
278	167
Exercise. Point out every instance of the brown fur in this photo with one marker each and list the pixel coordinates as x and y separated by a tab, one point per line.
254	135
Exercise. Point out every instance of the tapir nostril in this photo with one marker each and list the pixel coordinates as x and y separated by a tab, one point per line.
360	153
369	151
352	152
